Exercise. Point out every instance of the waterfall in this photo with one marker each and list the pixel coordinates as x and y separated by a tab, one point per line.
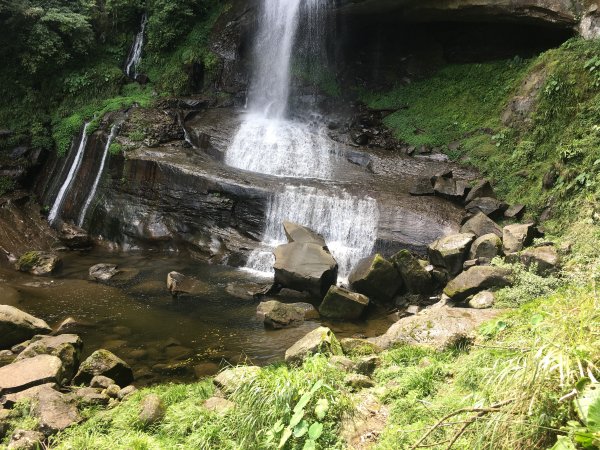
64	189
269	142
90	197
135	54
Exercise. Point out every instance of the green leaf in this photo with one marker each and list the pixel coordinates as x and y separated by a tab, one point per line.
301	429
315	431
287	433
309	445
536	319
587	406
316	386
563	443
296	418
302	402
321	408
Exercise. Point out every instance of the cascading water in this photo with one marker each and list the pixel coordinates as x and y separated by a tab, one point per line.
135	54
90	197
270	143
64	189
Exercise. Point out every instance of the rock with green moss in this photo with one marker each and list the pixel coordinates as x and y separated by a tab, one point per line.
416	279
477	279
359	347
450	252
342	304
103	362
321	340
279	315
67	347
377	278
38	263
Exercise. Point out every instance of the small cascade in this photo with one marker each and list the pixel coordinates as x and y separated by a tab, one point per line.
88	201
348	224
135	54
64	189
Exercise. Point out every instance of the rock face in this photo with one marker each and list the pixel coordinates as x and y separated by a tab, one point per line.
487	246
103	362
67	347
376	278
279	315
302	235
342	304
416	279
451	251
481	224
320	340
38	263
103	272
152	410
438	327
305	267
516	236
17	326
545	258
475	280
30	372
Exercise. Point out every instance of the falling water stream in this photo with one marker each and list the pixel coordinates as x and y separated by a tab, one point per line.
269	142
135	54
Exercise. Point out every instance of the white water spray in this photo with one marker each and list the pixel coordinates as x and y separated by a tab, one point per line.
64	189
135	54
90	197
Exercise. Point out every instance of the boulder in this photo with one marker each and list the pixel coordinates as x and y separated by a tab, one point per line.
415	277
481	189
103	272
321	340
489	206
450	188
342	363
305	267
451	251
517	236
357	381
112	390
71	325
302	235
9	400
477	279
438	327
38	263
67	347
481	224
219	405
376	278
30	372
279	315
358	347
126	391
26	440
91	396
74	237
152	410
103	362
309	311
17	326
422	187
482	300
101	382
514	211
54	411
367	365
487	246
545	258
231	379
342	304
178	284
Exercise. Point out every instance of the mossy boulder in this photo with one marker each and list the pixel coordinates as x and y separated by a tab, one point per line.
103	362
416	279
377	278
342	304
321	340
359	347
38	263
450	252
475	280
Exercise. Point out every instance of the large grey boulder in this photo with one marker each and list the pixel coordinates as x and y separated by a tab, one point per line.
342	304
30	372
481	224
482	300
451	251
305	267
74	237
26	440
517	236
67	347
279	315
489	206
377	278
476	279
38	263
481	189
54	411
17	326
102	271
487	246
545	258
321	340
416	279
103	362
302	235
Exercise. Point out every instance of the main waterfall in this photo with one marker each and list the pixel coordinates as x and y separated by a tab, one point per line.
271	143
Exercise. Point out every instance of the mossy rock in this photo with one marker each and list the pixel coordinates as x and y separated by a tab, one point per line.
377	278
416	279
38	263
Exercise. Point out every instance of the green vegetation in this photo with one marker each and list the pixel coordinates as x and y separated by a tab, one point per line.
28	260
6	185
115	149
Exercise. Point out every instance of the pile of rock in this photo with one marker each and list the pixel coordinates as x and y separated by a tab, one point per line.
46	370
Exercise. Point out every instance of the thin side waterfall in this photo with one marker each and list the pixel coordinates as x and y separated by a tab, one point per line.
348	224
64	189
135	54
88	201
